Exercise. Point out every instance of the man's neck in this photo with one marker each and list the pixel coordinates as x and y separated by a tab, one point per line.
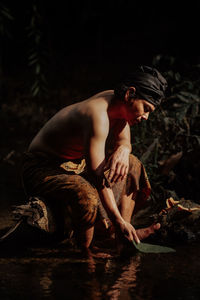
116	109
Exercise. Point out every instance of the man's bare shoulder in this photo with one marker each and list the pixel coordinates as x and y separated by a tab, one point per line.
90	106
103	94
96	106
96	109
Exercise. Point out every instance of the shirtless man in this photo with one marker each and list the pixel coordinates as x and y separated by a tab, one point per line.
85	130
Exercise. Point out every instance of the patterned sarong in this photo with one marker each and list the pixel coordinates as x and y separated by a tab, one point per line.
70	195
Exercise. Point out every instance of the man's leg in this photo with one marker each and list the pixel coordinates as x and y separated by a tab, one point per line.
127	210
84	237
78	194
127	205
71	198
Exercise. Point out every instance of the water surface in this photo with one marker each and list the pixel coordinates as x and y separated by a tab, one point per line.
62	273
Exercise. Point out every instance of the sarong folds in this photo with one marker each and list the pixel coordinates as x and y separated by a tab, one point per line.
70	194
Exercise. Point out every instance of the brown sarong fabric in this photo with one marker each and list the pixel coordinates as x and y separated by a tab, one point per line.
73	199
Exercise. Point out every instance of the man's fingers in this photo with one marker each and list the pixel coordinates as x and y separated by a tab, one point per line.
113	168
114	172
116	178
136	238
111	174
119	178
124	172
120	173
132	235
118	170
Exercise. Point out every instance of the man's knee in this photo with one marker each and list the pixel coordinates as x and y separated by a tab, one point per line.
84	204
134	162
71	194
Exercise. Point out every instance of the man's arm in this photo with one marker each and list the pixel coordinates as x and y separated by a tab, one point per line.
95	157
123	138
118	163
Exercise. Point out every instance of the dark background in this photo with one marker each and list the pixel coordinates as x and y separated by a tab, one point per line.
96	42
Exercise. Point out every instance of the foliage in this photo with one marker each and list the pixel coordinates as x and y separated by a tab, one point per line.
37	53
5	18
174	126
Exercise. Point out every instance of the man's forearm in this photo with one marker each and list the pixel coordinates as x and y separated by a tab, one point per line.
124	144
109	203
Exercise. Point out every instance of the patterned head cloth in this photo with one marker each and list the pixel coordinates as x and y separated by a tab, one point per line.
149	83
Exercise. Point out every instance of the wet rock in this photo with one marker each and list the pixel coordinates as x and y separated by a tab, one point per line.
180	222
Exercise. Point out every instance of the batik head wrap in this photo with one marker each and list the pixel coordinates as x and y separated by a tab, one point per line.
149	83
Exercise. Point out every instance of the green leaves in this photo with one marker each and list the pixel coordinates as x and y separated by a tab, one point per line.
186	104
37	56
5	18
5	12
174	125
150	248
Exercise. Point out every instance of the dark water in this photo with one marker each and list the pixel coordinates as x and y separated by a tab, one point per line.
60	273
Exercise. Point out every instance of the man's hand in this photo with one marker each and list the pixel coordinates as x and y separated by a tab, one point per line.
126	230
118	164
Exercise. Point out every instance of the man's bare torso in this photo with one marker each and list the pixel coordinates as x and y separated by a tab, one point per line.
65	134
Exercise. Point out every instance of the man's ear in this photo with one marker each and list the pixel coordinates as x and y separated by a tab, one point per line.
130	93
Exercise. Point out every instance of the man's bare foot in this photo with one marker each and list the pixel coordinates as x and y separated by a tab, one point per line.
143	233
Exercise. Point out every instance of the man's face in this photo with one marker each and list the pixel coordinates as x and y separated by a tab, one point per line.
138	110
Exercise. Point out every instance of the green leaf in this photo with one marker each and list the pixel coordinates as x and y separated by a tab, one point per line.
184	99
197	138
37	39
5	12
36	83
170	73
36	91
191	96
32	56
7	15
181	113
150	248
195	110
177	76
32	62
37	69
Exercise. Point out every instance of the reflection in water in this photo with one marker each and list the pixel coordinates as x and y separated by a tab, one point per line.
125	281
63	274
77	278
46	281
